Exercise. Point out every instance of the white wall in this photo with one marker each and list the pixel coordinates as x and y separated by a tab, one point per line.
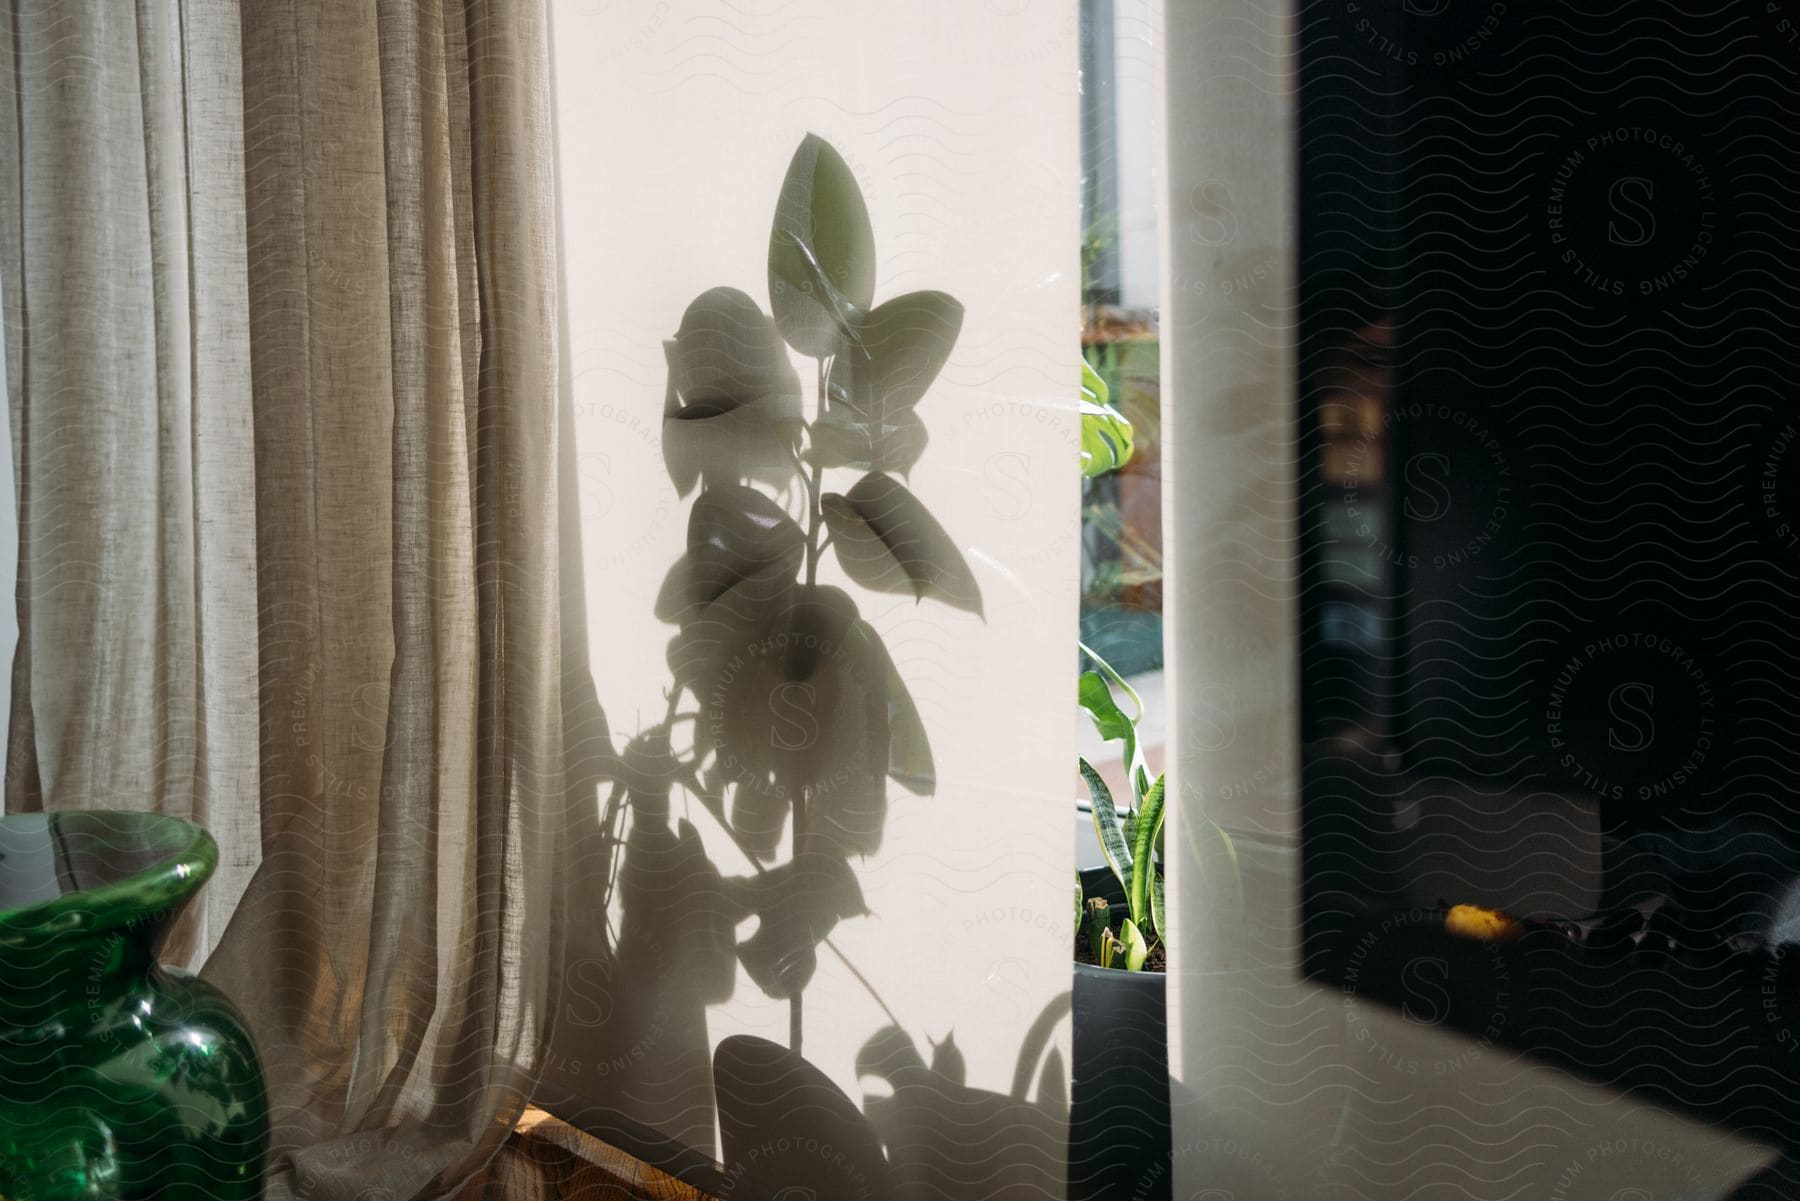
676	123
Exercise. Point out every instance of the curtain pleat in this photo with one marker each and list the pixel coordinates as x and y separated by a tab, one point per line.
281	355
127	353
222	487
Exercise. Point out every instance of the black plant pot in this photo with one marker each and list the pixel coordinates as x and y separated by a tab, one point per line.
1119	1134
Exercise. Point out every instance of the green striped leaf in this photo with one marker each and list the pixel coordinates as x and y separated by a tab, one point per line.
1149	825
1106	825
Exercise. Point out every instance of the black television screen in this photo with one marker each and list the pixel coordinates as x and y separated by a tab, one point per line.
1550	493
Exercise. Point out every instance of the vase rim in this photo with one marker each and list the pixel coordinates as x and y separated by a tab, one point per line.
171	857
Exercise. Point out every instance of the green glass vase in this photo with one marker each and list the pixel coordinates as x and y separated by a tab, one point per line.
119	1079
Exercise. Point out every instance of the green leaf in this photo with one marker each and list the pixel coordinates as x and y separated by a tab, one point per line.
886	540
1113	677
1097	698
1093	388
1106	438
821	251
1136	949
1106	825
1099	922
1143	851
1156	907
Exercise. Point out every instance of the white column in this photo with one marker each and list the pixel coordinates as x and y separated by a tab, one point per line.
1282	1088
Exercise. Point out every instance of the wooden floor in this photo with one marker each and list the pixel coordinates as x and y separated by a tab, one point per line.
546	1159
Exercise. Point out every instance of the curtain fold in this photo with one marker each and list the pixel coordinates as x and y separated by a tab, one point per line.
127	369
281	352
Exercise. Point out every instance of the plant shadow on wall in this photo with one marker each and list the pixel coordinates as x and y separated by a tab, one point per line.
794	713
787	721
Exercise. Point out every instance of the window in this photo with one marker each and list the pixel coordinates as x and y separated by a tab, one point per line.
1121	519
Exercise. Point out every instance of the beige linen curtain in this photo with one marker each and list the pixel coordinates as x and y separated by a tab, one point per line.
280	298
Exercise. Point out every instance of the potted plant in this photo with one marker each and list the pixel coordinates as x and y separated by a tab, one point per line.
1119	1134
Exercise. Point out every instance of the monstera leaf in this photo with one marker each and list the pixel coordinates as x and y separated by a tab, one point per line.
736	537
887	541
732	409
821	251
1106	438
1109	720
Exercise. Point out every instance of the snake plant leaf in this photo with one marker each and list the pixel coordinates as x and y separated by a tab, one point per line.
1143	851
737	537
887	541
1156	907
821	250
893	354
1136	949
1110	720
1099	924
732	408
1106	438
1106	825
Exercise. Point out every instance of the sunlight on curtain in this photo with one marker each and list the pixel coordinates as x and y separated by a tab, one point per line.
281	367
129	385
